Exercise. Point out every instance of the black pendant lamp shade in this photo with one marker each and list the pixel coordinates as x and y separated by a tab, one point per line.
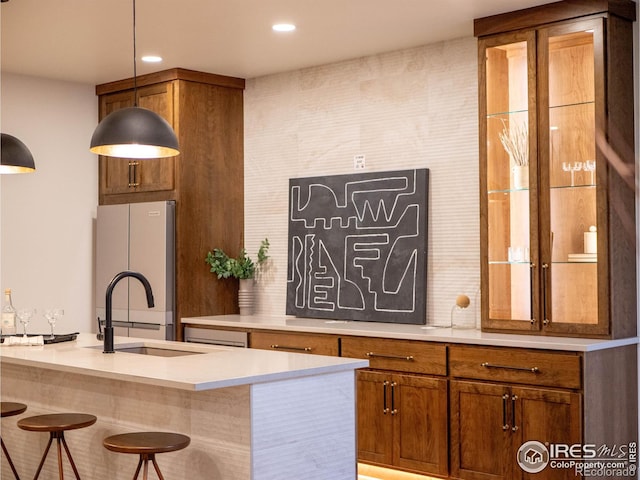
134	132
15	156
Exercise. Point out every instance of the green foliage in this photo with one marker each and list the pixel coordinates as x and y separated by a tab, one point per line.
241	267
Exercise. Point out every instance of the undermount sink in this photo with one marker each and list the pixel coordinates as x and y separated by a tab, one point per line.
156	352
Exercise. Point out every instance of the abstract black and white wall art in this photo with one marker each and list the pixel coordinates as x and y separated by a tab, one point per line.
358	247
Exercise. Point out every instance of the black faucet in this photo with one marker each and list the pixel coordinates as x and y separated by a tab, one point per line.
108	327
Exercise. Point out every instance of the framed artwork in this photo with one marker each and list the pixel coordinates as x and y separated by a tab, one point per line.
358	247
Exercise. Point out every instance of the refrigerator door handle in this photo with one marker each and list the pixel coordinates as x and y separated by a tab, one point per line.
145	326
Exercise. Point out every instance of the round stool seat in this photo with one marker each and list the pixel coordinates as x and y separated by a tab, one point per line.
146	445
12	408
56	422
146	442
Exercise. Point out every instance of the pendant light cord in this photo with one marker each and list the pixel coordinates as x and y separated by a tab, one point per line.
135	73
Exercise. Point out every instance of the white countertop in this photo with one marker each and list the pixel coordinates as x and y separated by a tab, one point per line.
215	367
407	332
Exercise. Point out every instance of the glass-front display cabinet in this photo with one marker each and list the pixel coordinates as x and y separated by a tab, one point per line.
552	232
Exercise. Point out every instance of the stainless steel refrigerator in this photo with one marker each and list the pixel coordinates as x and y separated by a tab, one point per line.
138	237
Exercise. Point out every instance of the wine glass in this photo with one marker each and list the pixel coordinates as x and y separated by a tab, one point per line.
52	315
24	315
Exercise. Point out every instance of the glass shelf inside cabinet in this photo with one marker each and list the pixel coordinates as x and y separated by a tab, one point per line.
508	190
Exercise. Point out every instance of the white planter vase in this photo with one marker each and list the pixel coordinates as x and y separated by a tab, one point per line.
246	296
520	177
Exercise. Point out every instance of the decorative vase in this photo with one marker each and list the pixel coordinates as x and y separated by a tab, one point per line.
246	296
520	177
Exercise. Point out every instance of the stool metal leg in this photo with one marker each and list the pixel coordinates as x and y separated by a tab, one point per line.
60	442
73	465
135	475
6	454
155	465
44	457
60	468
144	458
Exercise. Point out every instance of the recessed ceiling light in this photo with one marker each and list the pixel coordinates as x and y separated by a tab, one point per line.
284	27
151	59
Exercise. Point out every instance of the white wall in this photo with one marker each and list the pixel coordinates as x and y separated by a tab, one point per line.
408	109
47	216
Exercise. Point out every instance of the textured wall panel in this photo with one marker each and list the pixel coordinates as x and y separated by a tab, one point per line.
415	108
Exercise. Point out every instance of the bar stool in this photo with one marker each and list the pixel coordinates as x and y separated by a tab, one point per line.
8	410
146	444
56	424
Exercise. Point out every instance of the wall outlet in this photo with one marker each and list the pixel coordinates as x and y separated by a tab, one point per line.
358	162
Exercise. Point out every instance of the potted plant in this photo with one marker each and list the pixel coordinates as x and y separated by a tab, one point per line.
242	267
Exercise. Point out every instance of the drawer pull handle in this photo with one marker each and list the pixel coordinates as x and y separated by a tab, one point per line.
286	347
510	367
409	358
514	427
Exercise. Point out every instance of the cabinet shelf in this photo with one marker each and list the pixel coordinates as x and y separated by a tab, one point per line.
507	113
556	187
574	104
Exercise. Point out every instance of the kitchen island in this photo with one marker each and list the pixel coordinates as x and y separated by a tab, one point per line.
251	414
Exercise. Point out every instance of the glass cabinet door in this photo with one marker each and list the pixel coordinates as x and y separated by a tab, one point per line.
508	180
569	176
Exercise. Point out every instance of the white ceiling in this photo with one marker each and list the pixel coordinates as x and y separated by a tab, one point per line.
90	41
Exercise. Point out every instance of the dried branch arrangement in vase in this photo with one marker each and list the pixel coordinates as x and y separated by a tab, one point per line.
515	140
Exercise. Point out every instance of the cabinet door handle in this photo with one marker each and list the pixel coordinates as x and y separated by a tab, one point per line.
386	355
385	409
505	425
394	410
514	427
545	272
286	347
133	173
532	267
511	367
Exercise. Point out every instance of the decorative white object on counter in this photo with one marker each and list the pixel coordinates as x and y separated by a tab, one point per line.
461	315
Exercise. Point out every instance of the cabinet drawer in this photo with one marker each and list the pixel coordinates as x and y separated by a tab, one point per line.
295	342
516	365
399	355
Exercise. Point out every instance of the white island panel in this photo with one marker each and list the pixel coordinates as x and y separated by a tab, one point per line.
304	429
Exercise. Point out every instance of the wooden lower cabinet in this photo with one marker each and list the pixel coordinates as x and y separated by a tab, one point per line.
489	423
462	411
402	421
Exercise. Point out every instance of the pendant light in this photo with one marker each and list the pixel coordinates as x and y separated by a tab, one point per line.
134	132
15	156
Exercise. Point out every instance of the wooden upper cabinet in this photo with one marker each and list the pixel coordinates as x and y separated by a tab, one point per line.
206	112
557	212
125	176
